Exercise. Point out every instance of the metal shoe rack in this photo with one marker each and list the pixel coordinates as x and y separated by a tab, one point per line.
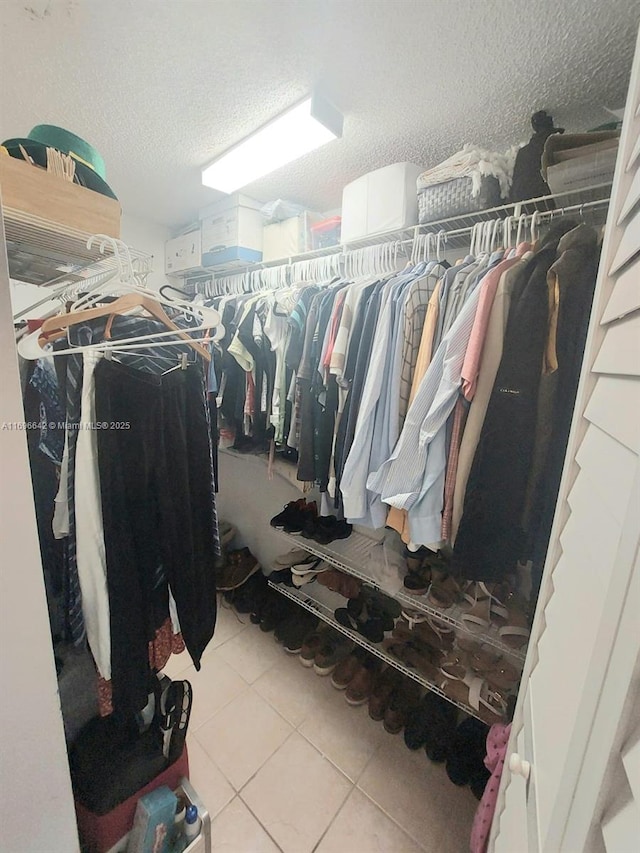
352	554
322	603
349	555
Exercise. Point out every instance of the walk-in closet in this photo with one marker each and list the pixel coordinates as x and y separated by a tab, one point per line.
320	428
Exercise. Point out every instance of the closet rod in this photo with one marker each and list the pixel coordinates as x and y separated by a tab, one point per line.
541	216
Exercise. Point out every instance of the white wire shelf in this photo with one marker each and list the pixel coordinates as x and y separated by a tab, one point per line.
322	603
593	200
352	555
46	253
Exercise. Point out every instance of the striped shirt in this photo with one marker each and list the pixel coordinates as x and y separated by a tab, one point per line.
413	476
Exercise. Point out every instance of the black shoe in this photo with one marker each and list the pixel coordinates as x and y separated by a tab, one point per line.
326	529
289	515
468	748
418	724
292	632
299	520
442	729
372	627
478	782
275	611
245	598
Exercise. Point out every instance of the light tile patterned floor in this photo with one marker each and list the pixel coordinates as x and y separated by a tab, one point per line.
284	764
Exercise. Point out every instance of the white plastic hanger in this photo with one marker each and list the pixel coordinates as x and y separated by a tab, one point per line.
534	220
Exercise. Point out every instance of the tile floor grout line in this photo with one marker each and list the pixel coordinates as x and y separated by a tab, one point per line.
255	773
334	819
393	819
327	758
221	708
259	822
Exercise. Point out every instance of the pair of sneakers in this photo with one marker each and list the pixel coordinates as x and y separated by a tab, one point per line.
295	516
324	649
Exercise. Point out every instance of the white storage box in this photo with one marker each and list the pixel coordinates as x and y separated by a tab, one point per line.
384	200
590	169
289	237
234	222
183	253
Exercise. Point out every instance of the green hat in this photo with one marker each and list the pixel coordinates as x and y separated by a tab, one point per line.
90	170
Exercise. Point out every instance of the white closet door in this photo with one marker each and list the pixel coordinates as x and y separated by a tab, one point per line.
569	721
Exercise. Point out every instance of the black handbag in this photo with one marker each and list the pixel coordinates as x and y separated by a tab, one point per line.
112	758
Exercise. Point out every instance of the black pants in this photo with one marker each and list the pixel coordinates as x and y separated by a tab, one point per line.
157	501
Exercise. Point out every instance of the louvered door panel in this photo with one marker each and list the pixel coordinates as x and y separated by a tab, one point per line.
626	295
620	352
610	396
591	558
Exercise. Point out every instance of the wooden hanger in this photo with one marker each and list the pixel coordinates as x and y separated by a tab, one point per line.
53	327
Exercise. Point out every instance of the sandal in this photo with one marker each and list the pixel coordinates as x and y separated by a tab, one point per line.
427	628
473	691
414	655
443	593
481	658
454	665
417	582
175	711
515	633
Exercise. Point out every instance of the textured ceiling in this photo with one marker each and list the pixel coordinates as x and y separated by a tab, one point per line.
161	87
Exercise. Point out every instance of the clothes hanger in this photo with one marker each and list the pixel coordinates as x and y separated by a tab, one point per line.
122	305
534	219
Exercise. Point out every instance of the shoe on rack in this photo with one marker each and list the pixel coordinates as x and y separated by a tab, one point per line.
282	576
370	626
334	649
292	632
312	566
292	558
275	611
468	749
379	700
361	685
346	669
311	643
237	569
246	597
337	581
300	518
419	722
417	582
442	730
403	702
289	515
226	532
325	529
478	782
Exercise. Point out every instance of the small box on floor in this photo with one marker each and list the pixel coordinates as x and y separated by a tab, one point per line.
153	822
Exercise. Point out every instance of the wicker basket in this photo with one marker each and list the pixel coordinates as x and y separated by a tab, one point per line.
453	198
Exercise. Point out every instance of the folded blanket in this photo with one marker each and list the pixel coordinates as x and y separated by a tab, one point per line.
474	163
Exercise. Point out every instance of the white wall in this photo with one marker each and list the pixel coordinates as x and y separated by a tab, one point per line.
148	237
36	804
250	507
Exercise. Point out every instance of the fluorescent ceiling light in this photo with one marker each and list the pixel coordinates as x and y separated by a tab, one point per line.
301	129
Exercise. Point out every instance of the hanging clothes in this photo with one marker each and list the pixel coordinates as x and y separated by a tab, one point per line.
156	503
489	538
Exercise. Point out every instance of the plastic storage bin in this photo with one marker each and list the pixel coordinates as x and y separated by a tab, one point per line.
383	200
231	230
289	237
326	233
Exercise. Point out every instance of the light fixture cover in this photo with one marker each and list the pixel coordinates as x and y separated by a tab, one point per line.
300	129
